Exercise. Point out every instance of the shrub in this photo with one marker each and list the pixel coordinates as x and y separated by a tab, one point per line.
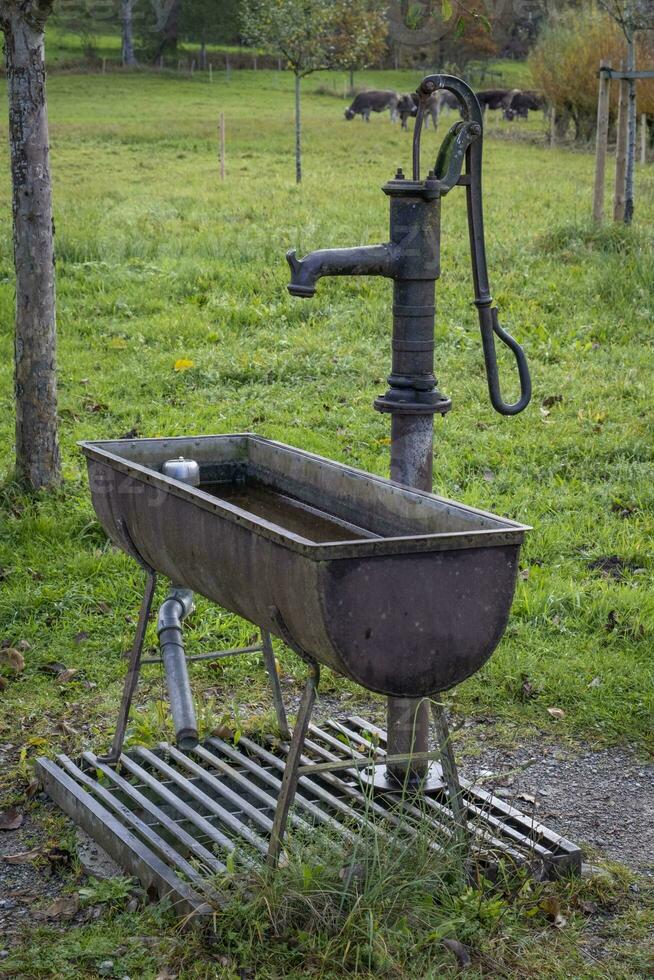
566	59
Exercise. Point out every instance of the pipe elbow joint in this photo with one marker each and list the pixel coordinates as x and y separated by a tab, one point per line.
174	609
303	278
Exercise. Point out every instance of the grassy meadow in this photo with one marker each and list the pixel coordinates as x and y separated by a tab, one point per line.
158	261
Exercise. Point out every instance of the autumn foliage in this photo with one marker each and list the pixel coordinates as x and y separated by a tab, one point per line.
565	62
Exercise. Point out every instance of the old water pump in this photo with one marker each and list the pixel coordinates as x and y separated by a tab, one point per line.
405	593
412	260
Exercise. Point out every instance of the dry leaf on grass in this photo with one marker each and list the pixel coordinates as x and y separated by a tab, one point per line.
556	712
13	658
24	857
10	819
459	950
552	909
64	907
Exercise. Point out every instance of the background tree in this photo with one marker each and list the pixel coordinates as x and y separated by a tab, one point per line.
630	16
127	33
302	32
37	447
564	66
202	22
360	33
157	24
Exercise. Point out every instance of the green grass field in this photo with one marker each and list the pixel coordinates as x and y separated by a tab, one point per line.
157	261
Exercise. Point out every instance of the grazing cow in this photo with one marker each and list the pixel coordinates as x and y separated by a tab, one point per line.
408	106
449	101
521	102
494	98
366	102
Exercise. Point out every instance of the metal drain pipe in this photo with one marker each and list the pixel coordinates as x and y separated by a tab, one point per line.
174	610
176	607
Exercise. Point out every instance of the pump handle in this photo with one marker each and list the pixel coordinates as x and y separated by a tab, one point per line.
488	314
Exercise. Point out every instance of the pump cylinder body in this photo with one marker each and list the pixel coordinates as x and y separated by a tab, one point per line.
412	400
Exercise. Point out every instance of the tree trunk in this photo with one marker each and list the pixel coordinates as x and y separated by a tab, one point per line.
168	27
631	134
37	447
129	58
298	131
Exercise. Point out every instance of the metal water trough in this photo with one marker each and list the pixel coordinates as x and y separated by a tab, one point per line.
402	591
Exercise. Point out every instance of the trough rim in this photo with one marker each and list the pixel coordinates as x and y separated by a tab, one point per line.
511	532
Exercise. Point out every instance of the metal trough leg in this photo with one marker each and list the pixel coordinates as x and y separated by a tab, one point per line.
290	778
133	668
450	772
273	677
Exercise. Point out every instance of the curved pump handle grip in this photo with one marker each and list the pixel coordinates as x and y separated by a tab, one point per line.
490	326
488	317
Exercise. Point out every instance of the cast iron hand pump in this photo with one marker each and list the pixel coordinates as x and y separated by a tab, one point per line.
412	260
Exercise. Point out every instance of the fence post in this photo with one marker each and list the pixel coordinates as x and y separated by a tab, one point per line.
222	145
602	140
552	126
643	137
620	153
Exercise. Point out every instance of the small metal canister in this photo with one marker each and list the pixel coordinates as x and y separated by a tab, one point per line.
184	470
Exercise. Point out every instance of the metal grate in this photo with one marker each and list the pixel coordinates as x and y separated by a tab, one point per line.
176	819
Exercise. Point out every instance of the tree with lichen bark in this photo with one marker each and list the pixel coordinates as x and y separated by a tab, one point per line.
37	447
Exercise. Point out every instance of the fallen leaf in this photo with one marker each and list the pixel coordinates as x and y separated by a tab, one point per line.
23	646
81	636
527	797
224	732
32	788
103	607
528	690
489	476
611	621
54	667
459	950
12	658
66	727
552	909
66	675
556	712
596	682
10	819
24	857
183	364
524	574
96	407
550	400
64	907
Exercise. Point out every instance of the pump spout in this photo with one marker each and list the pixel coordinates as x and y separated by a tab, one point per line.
365	260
